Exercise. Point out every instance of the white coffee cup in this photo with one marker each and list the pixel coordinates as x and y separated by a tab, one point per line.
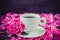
31	21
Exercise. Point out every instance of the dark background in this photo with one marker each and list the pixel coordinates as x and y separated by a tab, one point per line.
37	6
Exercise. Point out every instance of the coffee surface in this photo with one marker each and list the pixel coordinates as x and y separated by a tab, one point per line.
29	17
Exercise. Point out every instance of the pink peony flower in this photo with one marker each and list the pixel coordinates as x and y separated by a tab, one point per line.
2	28
47	26
36	38
12	23
23	38
13	29
6	20
55	31
49	17
57	37
57	22
13	38
57	16
22	28
48	35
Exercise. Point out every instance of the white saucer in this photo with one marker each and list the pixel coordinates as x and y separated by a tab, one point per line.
38	32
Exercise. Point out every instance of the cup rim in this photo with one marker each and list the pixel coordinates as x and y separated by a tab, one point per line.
30	14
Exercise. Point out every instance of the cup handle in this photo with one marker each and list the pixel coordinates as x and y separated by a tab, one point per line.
44	21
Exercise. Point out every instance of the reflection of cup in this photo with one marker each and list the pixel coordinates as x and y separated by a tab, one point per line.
31	21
